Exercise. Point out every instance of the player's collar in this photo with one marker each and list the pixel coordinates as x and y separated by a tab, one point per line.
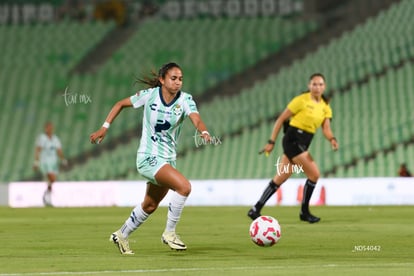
162	98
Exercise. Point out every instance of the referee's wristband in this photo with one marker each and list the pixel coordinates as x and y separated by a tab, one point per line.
106	125
270	142
333	138
205	132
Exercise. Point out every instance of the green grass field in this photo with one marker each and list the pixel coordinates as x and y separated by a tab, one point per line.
367	240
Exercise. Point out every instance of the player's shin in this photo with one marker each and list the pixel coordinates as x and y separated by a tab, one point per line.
175	209
307	194
267	193
137	217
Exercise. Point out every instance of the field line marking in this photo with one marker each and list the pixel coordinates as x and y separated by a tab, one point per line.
204	269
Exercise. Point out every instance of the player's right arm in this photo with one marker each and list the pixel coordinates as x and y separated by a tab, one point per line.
99	135
286	114
38	149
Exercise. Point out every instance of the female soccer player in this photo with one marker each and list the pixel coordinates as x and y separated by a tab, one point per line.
48	149
165	107
307	112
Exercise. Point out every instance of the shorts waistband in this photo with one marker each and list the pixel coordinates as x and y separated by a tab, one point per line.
301	131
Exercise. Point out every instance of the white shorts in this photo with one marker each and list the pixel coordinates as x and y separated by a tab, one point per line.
49	167
148	165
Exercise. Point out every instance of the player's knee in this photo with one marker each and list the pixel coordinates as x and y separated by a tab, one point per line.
312	173
184	189
314	177
51	177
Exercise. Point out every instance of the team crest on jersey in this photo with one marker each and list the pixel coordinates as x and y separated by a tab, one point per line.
177	110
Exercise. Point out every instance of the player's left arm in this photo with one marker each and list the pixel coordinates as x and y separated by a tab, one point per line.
62	157
199	125
327	132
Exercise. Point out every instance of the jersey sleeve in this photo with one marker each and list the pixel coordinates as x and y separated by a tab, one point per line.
140	98
58	143
189	105
295	105
328	112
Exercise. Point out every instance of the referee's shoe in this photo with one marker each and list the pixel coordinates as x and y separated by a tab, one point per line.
253	214
308	217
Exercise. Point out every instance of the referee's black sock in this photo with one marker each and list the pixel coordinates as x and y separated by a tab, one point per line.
307	194
267	193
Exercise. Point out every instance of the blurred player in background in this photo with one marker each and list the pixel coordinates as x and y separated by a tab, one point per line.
403	171
307	112
165	107
47	153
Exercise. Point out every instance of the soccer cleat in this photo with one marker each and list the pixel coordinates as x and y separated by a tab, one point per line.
121	243
253	214
308	217
173	241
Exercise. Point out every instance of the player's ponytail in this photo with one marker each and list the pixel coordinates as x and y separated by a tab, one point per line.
325	99
153	79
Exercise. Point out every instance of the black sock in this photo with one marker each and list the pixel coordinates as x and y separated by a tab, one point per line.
267	193
307	194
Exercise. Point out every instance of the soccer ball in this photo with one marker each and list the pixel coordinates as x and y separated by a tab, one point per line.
265	231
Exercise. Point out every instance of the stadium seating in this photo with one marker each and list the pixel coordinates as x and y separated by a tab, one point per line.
39	58
209	50
372	115
360	122
35	63
367	118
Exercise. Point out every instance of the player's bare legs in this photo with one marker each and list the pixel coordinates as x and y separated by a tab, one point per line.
309	166
153	196
167	179
284	170
171	178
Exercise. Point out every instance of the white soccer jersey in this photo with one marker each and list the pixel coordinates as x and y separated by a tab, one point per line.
49	147
162	122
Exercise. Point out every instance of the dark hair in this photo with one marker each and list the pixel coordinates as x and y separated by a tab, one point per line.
324	98
153	80
317	75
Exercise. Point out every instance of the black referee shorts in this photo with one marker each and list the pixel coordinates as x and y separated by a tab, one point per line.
296	141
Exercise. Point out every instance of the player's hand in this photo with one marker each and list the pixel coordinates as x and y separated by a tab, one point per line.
334	144
98	136
206	136
65	162
36	165
267	149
